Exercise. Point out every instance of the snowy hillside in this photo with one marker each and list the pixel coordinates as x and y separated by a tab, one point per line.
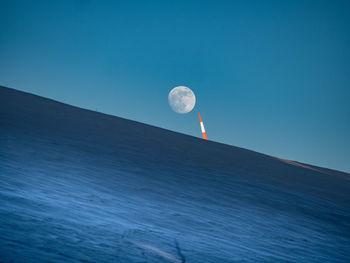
81	186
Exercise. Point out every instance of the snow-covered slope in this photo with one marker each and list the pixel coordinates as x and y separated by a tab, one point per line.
81	186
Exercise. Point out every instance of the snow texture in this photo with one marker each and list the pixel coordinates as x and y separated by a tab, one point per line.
81	186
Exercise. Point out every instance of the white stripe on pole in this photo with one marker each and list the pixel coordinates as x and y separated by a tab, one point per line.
202	127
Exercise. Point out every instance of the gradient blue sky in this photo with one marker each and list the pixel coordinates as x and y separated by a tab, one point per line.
271	76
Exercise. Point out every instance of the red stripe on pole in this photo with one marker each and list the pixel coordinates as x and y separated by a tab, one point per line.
205	136
200	118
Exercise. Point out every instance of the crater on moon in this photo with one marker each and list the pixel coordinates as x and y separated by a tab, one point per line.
181	99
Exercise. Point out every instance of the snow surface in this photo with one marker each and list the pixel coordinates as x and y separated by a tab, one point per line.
81	186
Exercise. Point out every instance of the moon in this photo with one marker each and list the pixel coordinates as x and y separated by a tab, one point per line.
181	99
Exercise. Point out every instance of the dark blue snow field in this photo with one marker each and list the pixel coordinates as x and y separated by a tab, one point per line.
81	186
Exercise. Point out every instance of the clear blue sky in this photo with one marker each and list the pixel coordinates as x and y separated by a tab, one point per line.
271	76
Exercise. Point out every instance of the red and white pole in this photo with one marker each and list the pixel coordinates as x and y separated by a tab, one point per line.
202	128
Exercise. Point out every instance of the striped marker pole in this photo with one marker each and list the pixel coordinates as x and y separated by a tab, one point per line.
202	128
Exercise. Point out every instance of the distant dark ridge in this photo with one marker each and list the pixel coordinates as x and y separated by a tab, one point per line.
26	114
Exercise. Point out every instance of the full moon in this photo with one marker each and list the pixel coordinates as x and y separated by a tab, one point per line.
181	99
